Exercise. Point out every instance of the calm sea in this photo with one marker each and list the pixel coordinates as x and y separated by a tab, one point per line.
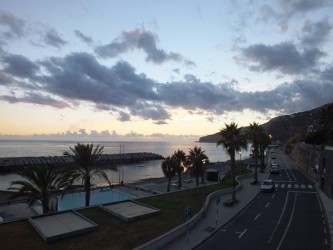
127	172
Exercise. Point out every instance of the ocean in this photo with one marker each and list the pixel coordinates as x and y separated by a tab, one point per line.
128	173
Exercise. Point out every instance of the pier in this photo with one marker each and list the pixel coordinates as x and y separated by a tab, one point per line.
12	164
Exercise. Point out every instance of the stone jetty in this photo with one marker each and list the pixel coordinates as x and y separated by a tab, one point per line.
12	164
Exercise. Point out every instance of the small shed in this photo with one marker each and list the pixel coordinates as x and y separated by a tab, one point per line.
212	175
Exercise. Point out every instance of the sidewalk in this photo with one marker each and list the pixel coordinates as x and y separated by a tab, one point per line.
218	215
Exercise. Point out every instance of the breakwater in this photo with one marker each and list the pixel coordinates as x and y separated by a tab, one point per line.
12	164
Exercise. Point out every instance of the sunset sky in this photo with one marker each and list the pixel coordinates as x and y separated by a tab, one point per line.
149	69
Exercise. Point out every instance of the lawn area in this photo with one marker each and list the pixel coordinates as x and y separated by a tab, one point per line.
114	233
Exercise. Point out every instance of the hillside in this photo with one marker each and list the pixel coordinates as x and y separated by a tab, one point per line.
281	128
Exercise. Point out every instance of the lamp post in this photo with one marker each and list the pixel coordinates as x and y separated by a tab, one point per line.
240	165
203	186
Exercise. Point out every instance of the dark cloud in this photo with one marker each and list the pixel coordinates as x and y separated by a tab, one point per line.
327	74
295	6
88	40
19	66
35	98
283	57
138	39
160	123
64	82
15	26
315	33
51	37
124	117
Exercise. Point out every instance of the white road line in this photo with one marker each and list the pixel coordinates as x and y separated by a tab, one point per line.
310	186
276	185
258	215
289	185
283	185
267	205
302	186
241	235
296	185
290	219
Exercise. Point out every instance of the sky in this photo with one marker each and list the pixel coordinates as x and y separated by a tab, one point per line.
160	69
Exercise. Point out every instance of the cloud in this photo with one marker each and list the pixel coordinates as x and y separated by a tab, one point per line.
124	117
283	57
88	40
291	7
15	26
20	66
315	33
51	37
138	39
35	98
62	82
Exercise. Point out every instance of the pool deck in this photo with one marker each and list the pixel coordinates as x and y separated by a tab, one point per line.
13	210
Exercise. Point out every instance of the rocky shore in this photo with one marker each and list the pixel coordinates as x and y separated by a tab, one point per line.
12	164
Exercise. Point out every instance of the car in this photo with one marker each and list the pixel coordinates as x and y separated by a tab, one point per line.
267	186
275	169
274	164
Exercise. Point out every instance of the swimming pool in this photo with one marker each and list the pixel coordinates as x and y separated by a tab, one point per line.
97	196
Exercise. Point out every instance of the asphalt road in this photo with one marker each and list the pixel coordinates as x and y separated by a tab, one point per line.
289	218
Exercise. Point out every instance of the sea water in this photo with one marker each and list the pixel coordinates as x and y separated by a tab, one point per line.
127	173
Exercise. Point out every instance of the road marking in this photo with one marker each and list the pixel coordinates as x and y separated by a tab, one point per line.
283	185
273	196
289	223
325	230
326	241
276	185
324	222
241	235
289	185
310	186
267	205
302	186
258	215
296	185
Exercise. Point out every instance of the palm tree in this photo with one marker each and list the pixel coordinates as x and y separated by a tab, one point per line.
232	140
195	161
253	134
180	158
42	182
263	141
169	167
85	158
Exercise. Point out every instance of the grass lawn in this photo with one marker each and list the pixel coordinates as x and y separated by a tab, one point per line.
114	233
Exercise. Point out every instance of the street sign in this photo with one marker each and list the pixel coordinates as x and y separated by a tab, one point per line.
188	212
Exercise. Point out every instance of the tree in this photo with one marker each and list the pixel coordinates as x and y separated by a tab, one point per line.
85	158
195	161
169	167
263	141
232	140
253	135
42	183
180	158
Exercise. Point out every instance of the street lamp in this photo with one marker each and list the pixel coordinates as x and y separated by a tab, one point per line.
203	186
240	165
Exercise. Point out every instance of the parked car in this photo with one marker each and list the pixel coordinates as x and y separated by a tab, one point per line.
275	169
267	186
274	164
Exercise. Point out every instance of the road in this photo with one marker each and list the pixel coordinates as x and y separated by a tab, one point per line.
289	218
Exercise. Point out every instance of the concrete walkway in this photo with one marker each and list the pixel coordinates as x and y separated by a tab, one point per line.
217	215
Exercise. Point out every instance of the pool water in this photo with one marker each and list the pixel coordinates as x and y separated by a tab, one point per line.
97	196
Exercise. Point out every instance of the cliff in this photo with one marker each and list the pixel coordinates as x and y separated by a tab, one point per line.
281	128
